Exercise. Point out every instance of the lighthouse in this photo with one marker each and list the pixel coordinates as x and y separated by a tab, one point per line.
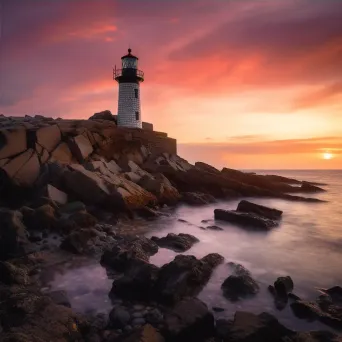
129	78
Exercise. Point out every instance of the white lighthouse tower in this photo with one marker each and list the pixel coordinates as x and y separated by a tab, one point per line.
129	78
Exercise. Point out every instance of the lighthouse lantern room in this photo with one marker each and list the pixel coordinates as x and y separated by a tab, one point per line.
129	78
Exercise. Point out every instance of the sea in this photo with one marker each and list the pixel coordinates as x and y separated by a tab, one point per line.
307	245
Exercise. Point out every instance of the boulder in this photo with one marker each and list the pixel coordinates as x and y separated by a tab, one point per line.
196	198
246	220
48	137
13	235
144	334
127	251
12	142
81	147
283	286
189	320
239	284
104	115
138	282
185	276
260	210
86	185
60	297
23	170
119	317
207	168
56	195
62	154
249	327
40	219
161	187
178	243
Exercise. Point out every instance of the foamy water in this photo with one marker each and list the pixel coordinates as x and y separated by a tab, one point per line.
307	245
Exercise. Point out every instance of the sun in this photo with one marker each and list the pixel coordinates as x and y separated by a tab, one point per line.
327	155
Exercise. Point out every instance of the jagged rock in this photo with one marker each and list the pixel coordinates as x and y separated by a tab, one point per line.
128	250
42	218
161	187
104	115
185	276
330	315
48	137
309	187
62	154
55	194
239	284
81	147
245	220
206	167
144	334
149	213
195	198
248	327
12	142
13	235
178	243
87	185
23	170
189	320
11	274
283	285
260	210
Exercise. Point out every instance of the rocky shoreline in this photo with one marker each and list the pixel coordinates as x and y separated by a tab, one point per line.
68	187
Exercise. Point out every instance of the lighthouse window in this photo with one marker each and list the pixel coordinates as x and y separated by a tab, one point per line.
136	91
136	115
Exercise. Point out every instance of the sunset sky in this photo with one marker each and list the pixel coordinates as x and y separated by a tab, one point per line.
249	84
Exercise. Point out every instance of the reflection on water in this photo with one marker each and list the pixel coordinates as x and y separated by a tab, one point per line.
306	246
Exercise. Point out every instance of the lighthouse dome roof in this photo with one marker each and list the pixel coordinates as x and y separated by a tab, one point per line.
129	55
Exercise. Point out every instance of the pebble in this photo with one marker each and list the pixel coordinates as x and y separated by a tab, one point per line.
138	321
138	315
138	307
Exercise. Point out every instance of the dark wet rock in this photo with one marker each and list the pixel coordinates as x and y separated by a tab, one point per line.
189	320
283	286
197	198
60	297
35	236
31	317
11	274
128	250
246	220
149	213
119	317
13	234
154	317
178	243
239	284
293	296
335	293
249	327
73	207
144	334
42	218
260	210
309	187
137	283
218	309
185	276
330	315
324	301
214	228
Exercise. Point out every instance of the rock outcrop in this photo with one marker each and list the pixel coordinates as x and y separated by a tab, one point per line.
178	243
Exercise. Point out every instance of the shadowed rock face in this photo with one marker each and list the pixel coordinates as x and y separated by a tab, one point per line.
249	207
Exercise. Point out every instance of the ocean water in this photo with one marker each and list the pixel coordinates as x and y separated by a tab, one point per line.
307	245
